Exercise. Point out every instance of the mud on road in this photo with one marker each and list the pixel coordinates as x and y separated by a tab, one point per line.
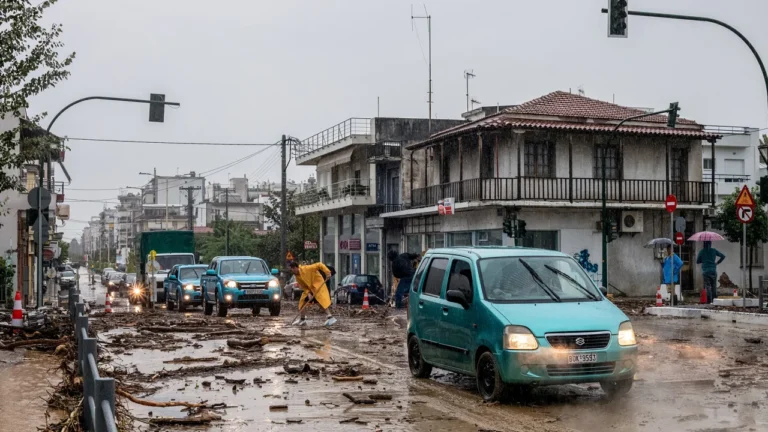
260	373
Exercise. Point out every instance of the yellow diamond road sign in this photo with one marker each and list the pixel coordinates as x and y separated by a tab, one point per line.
745	198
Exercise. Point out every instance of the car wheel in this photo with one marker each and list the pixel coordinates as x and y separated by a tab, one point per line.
419	368
274	309
181	307
207	307
168	302
221	308
349	298
255	310
489	382
616	389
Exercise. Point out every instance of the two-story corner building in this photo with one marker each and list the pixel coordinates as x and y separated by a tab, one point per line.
541	161
361	168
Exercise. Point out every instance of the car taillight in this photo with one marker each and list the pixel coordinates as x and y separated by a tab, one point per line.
353	286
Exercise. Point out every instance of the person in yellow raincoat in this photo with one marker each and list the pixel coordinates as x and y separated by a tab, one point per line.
312	280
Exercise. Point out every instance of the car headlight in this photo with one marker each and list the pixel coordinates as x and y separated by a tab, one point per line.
273	283
189	287
228	297
111	283
626	334
186	297
276	297
137	290
230	284
519	338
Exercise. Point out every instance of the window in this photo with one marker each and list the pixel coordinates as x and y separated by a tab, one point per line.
419	273
413	244
488	238
434	283
541	240
540	159
460	239
435	241
707	164
461	278
612	162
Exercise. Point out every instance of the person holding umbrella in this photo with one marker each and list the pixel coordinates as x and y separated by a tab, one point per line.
709	258
671	268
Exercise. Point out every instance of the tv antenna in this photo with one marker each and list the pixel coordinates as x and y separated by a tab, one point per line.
468	73
428	17
474	102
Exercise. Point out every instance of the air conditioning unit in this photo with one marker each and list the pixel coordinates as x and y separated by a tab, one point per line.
631	221
710	212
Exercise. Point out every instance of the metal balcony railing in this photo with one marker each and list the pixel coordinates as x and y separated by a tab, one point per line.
382	151
730	130
562	189
726	178
342	189
379	209
350	127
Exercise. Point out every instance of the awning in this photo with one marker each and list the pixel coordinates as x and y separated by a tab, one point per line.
337	158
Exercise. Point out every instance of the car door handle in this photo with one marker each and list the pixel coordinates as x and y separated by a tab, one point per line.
421	304
445	310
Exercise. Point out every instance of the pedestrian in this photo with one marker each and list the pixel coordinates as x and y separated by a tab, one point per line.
671	268
312	280
403	268
709	258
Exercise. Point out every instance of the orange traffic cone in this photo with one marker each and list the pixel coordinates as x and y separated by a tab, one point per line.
703	297
17	317
365	300
107	305
659	302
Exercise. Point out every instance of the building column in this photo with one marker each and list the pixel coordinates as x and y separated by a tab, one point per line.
320	242
382	261
336	257
363	252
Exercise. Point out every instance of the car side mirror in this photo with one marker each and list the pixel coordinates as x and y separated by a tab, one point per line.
604	291
275	271
210	272
172	277
456	296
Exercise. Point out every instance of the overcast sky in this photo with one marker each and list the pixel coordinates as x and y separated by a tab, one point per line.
250	71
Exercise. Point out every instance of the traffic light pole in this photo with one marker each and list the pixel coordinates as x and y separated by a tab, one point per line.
713	21
604	210
41	167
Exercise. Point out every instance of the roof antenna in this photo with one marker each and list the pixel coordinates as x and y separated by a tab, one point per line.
468	73
581	90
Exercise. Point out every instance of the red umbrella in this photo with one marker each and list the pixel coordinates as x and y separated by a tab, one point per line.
706	236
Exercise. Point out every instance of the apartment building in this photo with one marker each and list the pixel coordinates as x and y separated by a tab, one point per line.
238	202
541	162
360	169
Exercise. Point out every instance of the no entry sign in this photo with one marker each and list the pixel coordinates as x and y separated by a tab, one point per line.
671	203
679	238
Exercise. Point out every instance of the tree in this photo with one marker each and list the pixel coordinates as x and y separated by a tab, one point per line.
6	282
64	251
300	229
29	64
241	241
757	230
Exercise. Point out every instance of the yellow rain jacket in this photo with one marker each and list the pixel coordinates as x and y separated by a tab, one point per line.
311	281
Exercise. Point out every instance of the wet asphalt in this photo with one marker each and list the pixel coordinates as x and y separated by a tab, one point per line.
695	375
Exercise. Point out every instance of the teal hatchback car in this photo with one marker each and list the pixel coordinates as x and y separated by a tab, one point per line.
516	318
240	282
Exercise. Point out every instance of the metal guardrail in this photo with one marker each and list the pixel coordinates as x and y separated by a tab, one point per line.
98	393
342	189
350	127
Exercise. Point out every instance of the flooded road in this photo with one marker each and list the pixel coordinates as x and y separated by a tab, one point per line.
694	376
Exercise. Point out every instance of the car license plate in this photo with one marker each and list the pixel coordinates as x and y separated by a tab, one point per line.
582	358
254	291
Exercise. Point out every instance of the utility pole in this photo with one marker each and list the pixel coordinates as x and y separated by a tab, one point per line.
226	221
190	205
166	203
467	75
428	17
283	219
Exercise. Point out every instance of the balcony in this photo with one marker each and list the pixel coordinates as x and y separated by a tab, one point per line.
385	152
726	184
349	132
347	193
379	209
563	189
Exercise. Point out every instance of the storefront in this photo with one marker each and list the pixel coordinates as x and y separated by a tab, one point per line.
350	247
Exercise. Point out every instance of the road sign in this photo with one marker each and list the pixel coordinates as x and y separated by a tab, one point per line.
32	197
308	244
289	256
745	206
679	238
671	203
152	254
680	224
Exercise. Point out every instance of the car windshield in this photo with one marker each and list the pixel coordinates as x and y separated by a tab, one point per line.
191	273
166	262
535	279
68	274
131	277
115	276
366	279
243	266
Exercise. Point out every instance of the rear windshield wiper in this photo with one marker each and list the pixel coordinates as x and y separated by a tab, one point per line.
575	283
540	281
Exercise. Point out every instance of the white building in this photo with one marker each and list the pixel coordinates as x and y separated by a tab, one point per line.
173	191
238	202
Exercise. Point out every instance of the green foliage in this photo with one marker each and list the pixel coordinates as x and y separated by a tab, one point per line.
7	282
64	251
29	64
241	241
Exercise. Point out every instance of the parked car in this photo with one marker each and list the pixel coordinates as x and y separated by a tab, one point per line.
127	282
352	289
240	282
105	275
292	290
182	286
514	318
114	282
67	279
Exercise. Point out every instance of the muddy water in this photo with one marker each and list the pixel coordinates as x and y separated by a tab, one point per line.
25	380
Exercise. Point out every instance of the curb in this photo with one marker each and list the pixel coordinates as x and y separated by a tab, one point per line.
716	315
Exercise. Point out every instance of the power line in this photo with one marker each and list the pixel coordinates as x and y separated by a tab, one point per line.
197	143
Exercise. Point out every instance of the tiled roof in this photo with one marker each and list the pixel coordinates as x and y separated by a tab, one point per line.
563	104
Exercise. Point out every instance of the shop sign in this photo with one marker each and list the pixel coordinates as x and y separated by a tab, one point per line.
371	247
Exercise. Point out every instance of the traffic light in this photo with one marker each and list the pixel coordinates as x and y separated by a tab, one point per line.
617	18
613	231
763	189
672	117
507	224
521	229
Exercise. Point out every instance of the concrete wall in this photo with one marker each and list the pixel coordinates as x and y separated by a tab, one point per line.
408	130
